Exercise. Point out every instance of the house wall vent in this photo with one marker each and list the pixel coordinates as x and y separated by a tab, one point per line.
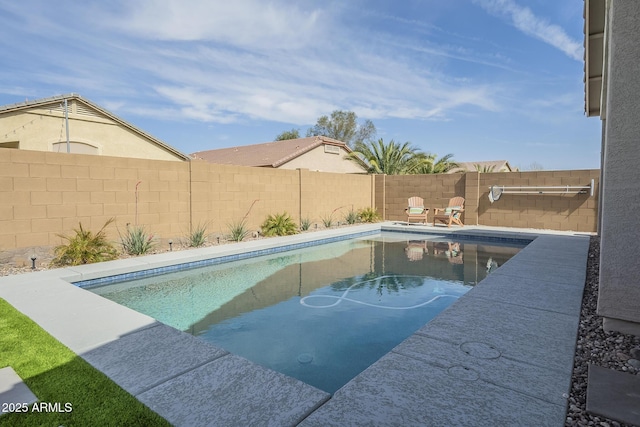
331	149
54	107
87	111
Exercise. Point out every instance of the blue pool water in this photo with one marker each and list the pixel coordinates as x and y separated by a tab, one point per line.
321	314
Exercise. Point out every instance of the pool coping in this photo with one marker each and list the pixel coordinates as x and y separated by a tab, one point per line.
179	376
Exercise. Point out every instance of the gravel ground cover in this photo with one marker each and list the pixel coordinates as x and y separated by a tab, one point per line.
611	350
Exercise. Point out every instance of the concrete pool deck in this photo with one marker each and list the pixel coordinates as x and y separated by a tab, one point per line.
501	355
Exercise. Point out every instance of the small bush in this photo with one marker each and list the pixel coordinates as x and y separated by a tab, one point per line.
279	225
238	231
369	215
305	224
136	241
85	247
352	217
198	236
327	221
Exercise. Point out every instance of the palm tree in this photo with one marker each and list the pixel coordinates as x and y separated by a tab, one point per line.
398	159
391	159
443	165
485	168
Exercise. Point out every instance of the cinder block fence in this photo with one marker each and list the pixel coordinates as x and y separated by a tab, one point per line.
549	209
45	194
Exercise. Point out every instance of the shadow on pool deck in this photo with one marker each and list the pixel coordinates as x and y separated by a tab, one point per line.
501	355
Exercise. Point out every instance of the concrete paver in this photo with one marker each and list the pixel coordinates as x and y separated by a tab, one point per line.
539	337
153	355
402	391
525	378
231	391
13	391
614	394
533	293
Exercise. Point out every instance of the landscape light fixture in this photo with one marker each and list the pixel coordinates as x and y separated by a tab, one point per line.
33	262
170	245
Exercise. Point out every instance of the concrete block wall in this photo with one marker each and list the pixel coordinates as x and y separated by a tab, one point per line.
224	194
330	194
568	212
436	190
379	183
576	212
44	194
472	198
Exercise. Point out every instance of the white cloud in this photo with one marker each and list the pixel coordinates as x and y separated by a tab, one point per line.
245	60
240	23
524	19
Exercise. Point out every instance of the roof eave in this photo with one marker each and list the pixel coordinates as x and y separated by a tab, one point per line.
320	140
594	56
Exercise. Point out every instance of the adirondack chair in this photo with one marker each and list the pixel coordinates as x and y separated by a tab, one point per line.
416	210
450	214
416	249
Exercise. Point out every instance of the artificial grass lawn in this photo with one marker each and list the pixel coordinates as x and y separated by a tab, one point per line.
57	375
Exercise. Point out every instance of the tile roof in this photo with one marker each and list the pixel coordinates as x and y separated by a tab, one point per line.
268	154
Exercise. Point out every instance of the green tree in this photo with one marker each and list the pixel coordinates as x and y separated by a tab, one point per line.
391	159
399	159
535	166
443	165
484	168
288	134
343	126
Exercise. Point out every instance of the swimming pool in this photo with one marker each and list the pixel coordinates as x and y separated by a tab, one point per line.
321	314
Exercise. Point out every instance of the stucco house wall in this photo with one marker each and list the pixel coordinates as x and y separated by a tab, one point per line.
619	292
318	159
41	126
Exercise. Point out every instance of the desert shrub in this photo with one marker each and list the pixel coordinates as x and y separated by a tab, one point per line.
279	225
137	241
238	230
85	247
369	215
198	236
327	220
351	217
305	224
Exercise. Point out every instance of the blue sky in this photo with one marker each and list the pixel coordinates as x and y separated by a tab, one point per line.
481	79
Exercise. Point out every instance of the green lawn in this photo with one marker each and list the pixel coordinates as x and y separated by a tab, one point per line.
56	375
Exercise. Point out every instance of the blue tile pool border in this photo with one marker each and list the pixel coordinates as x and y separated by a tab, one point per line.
116	278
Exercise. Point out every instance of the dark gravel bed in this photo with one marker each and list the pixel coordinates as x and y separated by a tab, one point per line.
607	349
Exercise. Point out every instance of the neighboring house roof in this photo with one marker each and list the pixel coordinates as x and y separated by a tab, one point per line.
268	154
484	166
4	109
